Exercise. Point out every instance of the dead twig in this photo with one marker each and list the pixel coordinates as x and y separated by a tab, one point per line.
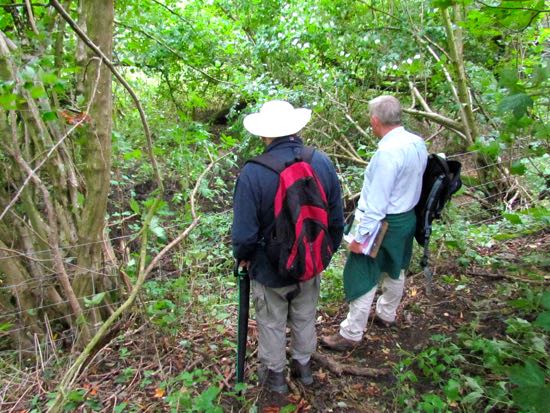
509	277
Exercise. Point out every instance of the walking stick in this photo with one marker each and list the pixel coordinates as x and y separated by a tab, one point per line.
242	329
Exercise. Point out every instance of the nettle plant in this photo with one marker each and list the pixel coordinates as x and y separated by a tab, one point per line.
475	373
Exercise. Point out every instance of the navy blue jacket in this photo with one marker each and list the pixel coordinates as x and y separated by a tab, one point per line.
253	215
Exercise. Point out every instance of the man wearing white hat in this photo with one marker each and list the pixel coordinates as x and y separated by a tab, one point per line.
279	300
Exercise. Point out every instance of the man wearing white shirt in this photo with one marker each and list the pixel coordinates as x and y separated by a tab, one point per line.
391	190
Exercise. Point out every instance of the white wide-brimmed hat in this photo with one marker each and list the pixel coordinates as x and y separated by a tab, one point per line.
277	118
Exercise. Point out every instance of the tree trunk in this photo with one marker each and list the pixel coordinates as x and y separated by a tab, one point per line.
53	196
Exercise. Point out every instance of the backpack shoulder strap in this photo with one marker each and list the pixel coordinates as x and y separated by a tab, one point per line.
307	154
442	163
270	161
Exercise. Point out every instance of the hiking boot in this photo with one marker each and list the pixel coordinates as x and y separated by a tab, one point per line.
301	371
383	323
272	380
338	343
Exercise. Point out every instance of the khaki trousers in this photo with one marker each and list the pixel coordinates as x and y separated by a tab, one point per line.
274	310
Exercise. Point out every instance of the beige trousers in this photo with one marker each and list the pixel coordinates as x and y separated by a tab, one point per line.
274	311
353	327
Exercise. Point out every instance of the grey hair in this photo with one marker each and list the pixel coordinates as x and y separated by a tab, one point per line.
387	109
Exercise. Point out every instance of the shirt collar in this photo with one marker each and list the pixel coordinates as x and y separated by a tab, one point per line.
291	139
390	137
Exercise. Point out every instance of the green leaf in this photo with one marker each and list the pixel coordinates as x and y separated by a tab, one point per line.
513	218
8	101
543	320
49	116
472	397
288	408
157	229
529	374
5	326
517	104
134	206
48	78
452	390
535	397
95	300
509	80
120	407
135	154
518	168
37	92
545	300
442	4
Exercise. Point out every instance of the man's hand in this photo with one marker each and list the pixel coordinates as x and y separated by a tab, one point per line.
244	265
355	247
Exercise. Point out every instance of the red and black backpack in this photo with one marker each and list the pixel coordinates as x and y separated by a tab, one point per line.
299	246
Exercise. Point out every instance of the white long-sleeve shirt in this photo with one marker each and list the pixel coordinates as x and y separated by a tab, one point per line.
393	179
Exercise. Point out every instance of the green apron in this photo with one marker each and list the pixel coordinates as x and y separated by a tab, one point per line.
362	272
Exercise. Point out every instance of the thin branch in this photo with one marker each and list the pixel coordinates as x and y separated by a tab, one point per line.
171	11
512	8
31	16
48	154
110	65
73	372
175	52
439	119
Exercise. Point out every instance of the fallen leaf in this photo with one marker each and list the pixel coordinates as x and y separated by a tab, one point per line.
159	393
386	350
271	409
93	392
360	387
414	292
322	376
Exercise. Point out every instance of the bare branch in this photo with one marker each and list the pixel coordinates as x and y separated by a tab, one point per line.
110	65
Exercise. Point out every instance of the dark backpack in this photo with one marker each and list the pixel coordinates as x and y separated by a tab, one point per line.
299	246
440	181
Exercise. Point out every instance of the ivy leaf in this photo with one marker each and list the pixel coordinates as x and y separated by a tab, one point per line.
517	104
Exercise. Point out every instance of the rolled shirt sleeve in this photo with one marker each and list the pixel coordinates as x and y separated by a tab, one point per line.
380	177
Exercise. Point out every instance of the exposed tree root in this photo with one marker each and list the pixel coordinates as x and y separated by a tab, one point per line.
338	368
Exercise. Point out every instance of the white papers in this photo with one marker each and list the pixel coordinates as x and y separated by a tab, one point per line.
369	242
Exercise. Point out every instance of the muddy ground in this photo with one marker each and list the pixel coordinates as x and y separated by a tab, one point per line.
148	370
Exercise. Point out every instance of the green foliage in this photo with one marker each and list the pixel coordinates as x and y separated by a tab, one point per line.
184	392
477	373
